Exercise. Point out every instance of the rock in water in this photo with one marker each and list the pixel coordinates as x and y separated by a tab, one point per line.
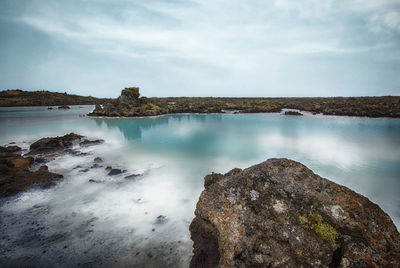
54	144
293	113
115	171
87	142
65	107
280	214
15	175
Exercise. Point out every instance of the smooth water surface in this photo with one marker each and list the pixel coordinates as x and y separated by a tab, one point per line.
114	221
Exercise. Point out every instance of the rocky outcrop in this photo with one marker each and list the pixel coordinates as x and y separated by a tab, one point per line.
19	173
280	214
16	175
54	144
128	104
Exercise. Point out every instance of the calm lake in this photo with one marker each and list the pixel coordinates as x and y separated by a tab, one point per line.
114	221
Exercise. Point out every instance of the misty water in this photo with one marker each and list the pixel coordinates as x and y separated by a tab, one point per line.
114	222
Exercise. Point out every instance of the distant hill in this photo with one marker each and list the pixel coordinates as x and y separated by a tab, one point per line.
17	97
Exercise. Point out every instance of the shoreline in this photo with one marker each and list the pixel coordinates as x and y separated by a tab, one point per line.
239	113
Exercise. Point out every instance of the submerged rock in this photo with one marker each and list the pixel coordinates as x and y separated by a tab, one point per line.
87	142
98	160
115	171
161	219
279	213
132	176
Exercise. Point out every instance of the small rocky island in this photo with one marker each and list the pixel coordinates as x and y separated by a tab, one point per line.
280	214
130	104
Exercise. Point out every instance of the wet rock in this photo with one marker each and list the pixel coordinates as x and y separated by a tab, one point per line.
75	152
9	151
108	168
95	166
49	108
292	113
132	176
16	175
54	144
84	170
87	142
161	219
40	160
44	168
94	181
115	171
98	160
65	107
279	213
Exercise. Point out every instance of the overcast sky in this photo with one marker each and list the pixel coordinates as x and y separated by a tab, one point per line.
202	47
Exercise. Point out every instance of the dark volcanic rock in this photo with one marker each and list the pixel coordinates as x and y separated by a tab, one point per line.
98	160
54	144
16	176
161	219
9	151
279	213
292	113
133	176
65	107
115	171
87	142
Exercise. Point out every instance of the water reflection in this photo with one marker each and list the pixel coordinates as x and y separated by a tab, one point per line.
131	128
176	152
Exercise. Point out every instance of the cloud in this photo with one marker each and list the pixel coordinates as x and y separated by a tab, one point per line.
222	43
387	21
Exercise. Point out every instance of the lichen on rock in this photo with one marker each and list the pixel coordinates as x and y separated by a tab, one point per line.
264	216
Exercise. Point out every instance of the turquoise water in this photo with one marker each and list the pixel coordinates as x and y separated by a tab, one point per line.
175	152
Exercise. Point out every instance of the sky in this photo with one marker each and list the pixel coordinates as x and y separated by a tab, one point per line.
264	48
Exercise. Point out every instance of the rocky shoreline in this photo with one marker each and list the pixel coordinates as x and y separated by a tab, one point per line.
279	213
21	172
130	104
30	237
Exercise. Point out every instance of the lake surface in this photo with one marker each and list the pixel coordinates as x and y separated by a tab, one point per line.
115	222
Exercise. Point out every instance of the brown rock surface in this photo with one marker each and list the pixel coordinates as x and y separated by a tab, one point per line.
280	214
15	175
54	144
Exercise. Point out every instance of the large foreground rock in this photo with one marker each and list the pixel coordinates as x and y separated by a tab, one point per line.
280	214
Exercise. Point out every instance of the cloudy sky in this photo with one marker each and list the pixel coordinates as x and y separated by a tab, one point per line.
202	47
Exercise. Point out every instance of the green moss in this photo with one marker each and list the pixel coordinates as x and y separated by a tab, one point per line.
303	219
323	229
